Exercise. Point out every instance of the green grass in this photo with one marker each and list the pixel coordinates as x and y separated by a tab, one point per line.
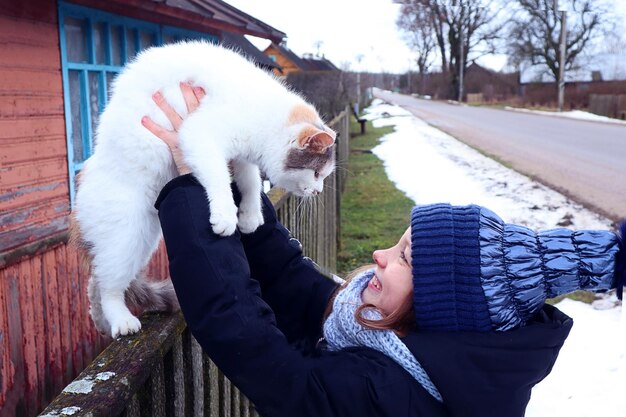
374	214
584	296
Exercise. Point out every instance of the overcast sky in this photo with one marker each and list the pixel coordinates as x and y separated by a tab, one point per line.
346	29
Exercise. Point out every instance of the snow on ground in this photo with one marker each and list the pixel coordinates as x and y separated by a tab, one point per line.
430	166
589	376
573	114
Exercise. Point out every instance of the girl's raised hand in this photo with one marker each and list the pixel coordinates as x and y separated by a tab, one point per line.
192	96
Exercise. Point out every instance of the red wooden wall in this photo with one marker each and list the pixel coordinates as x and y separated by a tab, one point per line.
33	155
46	335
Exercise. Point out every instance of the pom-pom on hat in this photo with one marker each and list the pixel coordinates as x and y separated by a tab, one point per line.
473	272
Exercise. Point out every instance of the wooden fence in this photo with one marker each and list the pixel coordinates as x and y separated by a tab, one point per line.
162	371
610	105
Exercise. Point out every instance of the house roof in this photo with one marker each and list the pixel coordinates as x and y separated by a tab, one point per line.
288	53
228	18
244	46
211	16
306	64
320	64
508	78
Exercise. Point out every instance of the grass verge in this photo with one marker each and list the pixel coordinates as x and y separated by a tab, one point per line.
374	213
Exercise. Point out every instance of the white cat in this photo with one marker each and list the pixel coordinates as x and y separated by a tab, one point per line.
247	117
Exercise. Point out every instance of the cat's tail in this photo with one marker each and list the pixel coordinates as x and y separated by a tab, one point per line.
141	296
148	295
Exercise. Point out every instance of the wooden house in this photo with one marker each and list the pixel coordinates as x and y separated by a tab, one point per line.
290	63
57	59
491	85
286	59
318	64
480	84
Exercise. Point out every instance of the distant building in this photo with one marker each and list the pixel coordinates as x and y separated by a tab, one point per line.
239	43
289	62
490	85
605	76
480	84
603	67
318	63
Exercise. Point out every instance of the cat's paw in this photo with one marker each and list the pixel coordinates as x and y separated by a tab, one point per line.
125	324
249	220
224	222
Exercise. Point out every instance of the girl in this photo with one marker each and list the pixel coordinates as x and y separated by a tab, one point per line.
420	333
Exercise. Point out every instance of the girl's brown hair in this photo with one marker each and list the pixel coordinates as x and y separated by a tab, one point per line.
401	320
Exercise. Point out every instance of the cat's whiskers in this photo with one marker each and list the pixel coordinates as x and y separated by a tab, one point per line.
339	167
298	211
313	203
320	202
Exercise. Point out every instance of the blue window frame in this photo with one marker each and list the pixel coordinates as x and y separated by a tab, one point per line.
95	45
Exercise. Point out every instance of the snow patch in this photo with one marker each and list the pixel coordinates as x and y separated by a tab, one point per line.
103	376
588	376
81	386
67	411
85	385
573	114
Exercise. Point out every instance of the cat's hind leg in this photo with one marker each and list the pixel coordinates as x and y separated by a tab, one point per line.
127	238
248	179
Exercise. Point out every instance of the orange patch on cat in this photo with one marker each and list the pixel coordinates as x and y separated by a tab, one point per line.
302	113
306	133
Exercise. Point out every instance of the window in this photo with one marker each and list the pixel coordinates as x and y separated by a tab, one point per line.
95	45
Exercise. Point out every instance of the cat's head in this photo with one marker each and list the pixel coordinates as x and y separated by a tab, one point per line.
310	156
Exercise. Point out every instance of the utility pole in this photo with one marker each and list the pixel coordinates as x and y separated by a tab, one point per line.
562	46
461	63
357	106
408	76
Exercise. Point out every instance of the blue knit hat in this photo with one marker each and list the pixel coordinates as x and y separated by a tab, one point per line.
473	272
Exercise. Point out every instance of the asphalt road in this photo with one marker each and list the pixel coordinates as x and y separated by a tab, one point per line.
584	160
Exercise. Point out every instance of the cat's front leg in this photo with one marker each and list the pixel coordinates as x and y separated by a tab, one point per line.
223	209
248	179
209	165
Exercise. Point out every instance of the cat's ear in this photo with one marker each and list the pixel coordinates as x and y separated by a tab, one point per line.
317	142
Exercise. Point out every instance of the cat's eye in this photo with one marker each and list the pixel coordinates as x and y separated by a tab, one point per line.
317	174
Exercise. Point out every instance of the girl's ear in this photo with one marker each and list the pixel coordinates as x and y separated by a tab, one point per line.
317	142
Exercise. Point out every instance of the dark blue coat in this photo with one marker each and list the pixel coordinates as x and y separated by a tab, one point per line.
263	332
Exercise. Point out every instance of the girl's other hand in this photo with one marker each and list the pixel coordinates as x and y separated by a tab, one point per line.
192	96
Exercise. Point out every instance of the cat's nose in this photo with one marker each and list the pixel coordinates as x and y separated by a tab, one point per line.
315	192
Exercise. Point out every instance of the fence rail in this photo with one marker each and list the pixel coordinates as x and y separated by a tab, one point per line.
610	105
162	371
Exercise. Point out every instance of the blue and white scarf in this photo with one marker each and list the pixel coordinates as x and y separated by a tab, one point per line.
341	330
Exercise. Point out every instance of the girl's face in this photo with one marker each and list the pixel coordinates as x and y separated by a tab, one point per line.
392	283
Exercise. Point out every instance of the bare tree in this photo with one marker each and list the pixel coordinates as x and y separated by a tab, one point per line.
476	23
535	31
419	35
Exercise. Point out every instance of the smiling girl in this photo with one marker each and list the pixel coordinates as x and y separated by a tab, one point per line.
451	321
